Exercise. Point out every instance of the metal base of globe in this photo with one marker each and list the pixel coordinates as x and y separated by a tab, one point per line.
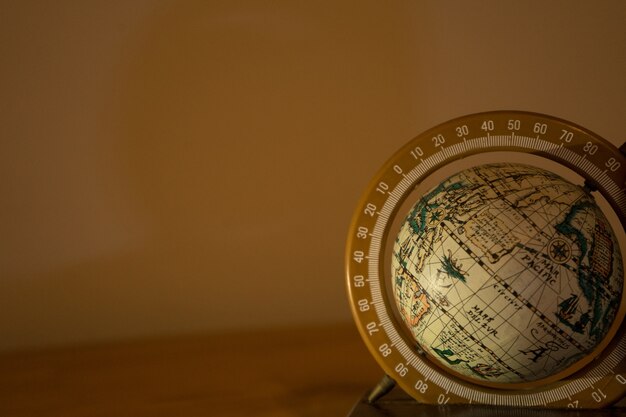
384	401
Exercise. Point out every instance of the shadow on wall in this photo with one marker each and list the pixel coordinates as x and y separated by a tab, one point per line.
205	165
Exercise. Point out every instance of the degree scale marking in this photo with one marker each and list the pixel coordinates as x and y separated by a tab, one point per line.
434	160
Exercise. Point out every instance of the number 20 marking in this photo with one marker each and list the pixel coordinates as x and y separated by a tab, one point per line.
439	140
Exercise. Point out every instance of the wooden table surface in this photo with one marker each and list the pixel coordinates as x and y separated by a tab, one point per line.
310	371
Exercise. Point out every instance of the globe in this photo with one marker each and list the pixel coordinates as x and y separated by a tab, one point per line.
507	273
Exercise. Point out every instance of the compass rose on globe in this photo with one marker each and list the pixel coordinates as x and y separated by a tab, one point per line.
559	250
484	264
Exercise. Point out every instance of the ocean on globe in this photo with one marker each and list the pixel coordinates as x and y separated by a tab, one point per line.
507	273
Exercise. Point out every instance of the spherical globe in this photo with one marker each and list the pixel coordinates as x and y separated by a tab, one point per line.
507	273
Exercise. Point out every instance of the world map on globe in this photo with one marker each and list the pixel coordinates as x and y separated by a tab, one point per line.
507	273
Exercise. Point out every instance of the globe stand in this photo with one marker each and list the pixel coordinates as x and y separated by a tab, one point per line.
384	401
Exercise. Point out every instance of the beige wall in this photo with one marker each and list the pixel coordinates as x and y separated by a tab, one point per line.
181	166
